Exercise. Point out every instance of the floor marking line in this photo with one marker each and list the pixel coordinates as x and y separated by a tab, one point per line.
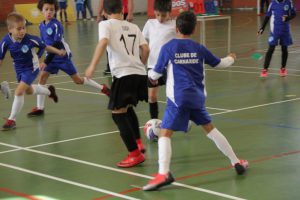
164	102
19	194
66	181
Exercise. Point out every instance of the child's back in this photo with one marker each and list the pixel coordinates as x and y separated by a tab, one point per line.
123	47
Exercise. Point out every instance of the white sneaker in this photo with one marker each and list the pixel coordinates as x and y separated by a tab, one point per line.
5	89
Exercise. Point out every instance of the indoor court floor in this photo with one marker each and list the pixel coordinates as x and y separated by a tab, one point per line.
72	151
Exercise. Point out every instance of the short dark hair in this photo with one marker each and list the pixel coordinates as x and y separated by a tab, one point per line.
186	22
42	2
163	5
14	17
113	6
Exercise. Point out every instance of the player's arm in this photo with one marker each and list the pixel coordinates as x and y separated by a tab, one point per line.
214	61
54	50
162	61
291	15
144	53
100	11
227	61
130	10
266	20
3	50
100	49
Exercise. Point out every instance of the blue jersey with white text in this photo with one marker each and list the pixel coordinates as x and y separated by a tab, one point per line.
276	11
51	33
23	53
184	61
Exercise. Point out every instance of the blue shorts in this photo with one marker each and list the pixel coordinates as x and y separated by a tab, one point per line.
27	76
67	67
283	38
177	118
62	5
79	7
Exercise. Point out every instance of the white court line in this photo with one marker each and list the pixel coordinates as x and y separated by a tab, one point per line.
120	171
245	67
80	91
164	102
67	181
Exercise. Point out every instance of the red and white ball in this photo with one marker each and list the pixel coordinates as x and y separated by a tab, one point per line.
152	129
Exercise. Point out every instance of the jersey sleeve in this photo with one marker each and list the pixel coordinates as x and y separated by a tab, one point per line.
58	32
38	43
209	57
162	61
146	31
3	48
103	31
269	11
141	37
292	11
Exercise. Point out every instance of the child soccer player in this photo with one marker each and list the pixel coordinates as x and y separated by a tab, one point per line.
26	63
4	88
52	33
183	59
158	32
127	52
280	12
63	4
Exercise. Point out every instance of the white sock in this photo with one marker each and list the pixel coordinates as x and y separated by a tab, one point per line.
41	99
164	154
223	145
16	107
92	83
40	89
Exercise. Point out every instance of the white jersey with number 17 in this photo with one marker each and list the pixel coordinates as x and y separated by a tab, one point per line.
124	41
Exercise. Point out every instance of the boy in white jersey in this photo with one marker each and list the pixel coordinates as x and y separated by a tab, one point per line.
158	32
4	88
127	52
183	59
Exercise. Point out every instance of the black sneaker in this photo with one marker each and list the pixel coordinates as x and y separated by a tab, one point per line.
35	112
241	167
53	95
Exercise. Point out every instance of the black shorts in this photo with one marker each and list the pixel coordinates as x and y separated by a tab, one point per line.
161	81
128	90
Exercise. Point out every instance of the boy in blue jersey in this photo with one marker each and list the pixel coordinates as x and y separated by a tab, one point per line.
280	12
183	60
26	63
52	34
5	90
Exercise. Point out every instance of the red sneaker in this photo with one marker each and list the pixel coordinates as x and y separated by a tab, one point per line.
131	161
140	145
264	73
105	90
158	181
282	72
9	125
35	112
241	167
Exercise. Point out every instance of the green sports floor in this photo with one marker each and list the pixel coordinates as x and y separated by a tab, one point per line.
72	151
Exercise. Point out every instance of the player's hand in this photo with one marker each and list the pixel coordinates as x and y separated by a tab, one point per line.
62	52
260	32
42	66
129	18
89	72
232	55
153	82
99	19
284	18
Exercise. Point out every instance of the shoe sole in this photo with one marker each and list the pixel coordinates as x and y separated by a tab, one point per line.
35	115
131	165
156	187
8	129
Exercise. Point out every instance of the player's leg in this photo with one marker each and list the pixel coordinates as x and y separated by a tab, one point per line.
153	104
133	120
269	54
4	87
16	106
223	145
39	109
284	57
122	121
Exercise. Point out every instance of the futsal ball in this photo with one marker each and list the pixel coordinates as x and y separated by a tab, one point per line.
152	129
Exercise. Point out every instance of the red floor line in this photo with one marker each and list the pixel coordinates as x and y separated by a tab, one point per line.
123	192
263	159
19	194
